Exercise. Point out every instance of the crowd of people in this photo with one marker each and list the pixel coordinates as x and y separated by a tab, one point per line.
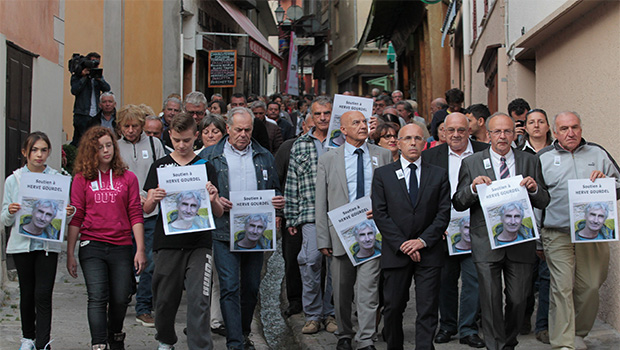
418	171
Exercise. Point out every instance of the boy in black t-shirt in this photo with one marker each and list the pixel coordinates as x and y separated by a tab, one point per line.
182	260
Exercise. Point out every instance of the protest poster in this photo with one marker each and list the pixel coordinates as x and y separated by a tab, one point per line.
508	212
252	221
458	237
343	104
186	207
593	212
358	235
43	199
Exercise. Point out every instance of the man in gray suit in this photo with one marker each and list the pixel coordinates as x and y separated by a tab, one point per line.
515	261
344	175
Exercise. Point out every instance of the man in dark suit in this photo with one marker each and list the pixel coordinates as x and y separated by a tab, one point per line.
515	261
453	320
344	175
411	207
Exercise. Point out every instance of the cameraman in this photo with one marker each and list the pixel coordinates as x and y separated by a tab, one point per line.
86	90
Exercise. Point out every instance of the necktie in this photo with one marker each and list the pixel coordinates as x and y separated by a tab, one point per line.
413	184
503	169
360	173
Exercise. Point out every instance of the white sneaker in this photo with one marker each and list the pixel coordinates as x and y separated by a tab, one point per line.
163	346
99	347
27	344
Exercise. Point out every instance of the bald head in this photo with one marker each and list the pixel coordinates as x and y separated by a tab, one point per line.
354	126
411	142
457	132
438	104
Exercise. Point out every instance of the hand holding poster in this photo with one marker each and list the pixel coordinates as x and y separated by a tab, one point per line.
343	104
186	207
593	212
252	221
43	199
508	212
458	237
359	236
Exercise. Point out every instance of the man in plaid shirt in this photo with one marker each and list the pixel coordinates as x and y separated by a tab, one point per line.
299	213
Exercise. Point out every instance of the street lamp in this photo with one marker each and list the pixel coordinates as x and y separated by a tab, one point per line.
279	14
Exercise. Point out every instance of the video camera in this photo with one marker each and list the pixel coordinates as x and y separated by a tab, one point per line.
78	63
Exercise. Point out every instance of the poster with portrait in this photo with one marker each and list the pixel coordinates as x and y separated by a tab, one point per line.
359	236
252	221
593	211
458	237
43	199
508	212
341	105
186	207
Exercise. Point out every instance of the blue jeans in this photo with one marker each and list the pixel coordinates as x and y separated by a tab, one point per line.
542	314
239	275
144	293
108	271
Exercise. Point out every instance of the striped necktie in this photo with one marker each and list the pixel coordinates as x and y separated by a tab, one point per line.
503	169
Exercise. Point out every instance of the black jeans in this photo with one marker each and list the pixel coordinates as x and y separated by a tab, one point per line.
36	271
108	271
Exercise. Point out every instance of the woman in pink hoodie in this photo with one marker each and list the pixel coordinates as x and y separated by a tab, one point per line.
107	200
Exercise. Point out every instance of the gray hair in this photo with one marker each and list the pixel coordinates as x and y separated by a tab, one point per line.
214	119
195	98
236	111
597	205
188	194
498	114
395	91
408	107
321	100
258	104
216	95
511	206
362	225
45	203
172	99
562	113
264	218
153	117
464	220
107	94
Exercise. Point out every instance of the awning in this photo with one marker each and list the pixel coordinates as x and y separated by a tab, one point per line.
384	82
392	21
453	9
257	41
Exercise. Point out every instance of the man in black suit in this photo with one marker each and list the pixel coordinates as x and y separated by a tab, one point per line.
411	207
455	320
515	261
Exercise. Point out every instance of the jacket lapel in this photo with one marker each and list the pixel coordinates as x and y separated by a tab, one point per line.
341	172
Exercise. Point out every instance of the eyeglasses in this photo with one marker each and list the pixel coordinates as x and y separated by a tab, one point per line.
409	138
453	130
389	136
198	113
499	132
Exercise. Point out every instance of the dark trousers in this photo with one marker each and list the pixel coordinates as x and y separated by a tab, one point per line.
144	293
459	318
500	330
397	282
291	245
80	122
108	271
36	271
175	269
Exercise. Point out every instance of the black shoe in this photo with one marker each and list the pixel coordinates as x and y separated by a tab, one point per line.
221	330
248	344
526	327
443	336
369	347
344	344
294	308
472	340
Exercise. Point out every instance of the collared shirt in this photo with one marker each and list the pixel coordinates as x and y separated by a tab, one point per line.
454	165
93	99
350	161
108	123
241	164
320	146
404	163
510	161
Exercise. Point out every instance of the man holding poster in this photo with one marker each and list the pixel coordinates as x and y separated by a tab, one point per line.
516	261
574	305
344	175
242	165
